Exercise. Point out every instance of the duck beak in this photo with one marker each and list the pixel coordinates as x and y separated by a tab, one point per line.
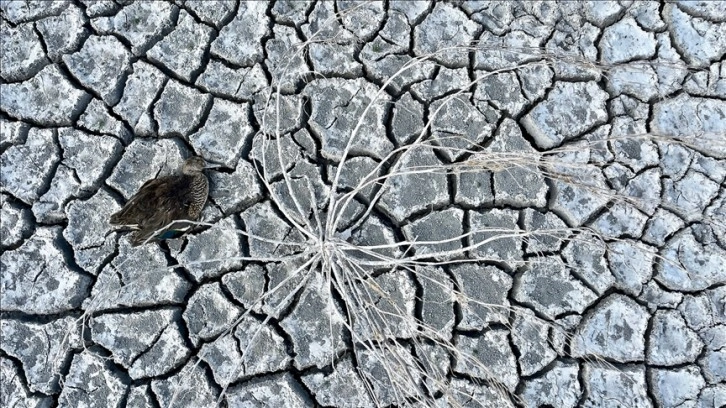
208	165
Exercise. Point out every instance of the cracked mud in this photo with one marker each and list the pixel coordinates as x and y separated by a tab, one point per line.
420	203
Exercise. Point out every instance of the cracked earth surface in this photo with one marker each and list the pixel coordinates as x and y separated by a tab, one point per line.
463	203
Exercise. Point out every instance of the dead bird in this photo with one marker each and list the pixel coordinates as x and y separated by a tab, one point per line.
166	207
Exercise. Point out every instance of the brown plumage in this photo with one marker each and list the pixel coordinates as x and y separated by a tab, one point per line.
161	201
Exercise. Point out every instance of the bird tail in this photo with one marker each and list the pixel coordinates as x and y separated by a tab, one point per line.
115	218
138	237
125	218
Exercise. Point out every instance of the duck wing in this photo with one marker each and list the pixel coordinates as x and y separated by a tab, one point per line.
143	203
158	204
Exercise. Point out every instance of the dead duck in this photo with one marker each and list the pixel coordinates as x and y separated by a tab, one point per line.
161	201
